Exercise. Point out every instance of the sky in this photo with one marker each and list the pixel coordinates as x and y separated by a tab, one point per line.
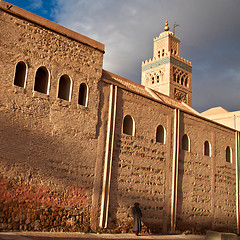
209	31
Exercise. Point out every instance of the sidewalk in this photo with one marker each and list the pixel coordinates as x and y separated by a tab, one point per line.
90	236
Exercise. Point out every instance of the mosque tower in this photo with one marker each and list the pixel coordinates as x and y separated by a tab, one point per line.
167	72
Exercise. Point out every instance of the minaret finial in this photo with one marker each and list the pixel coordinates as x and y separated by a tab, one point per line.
166	28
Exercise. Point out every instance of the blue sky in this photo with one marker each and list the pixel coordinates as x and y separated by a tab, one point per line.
43	8
209	31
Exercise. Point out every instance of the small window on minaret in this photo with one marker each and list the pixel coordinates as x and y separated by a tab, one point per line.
163	52
172	51
175	52
182	80
186	81
158	79
152	80
178	79
159	54
174	77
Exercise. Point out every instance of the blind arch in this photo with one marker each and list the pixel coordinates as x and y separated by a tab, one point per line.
228	154
185	143
20	74
160	134
83	95
207	149
42	80
128	125
65	87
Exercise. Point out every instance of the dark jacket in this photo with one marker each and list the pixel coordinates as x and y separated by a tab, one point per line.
137	214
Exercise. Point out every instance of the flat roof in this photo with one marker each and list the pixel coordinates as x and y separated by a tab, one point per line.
12	9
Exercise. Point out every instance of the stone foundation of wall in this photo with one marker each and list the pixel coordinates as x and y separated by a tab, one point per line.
37	208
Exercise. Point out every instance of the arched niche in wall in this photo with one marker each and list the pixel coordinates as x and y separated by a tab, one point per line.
160	134
228	154
83	95
65	87
128	125
185	143
207	149
42	80
20	74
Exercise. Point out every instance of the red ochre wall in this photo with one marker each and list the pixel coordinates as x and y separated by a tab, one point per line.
37	208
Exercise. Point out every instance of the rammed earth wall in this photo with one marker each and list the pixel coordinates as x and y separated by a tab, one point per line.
48	145
205	181
140	164
143	170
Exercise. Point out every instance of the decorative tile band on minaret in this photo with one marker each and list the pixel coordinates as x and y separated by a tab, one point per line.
149	65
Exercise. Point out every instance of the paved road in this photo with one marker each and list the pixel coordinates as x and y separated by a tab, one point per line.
90	236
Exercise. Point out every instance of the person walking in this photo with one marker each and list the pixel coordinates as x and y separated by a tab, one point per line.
137	215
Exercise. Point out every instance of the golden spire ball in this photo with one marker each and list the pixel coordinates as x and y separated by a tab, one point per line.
166	28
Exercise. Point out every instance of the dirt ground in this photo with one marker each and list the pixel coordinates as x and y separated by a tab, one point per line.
90	236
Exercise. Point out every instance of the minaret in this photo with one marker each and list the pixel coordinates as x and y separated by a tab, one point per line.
167	72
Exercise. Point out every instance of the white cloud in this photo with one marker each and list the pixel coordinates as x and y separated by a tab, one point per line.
209	31
36	4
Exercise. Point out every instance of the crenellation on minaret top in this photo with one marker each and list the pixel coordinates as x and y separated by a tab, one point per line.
150	60
165	34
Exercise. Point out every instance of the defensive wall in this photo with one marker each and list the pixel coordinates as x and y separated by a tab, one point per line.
78	148
48	143
144	168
